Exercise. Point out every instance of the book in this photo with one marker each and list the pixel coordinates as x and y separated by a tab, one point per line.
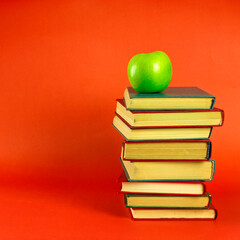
174	214
160	133
178	118
166	188
172	98
166	150
167	201
169	170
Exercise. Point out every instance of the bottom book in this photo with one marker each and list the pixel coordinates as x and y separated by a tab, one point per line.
184	214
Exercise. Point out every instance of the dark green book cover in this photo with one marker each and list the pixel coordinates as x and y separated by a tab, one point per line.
170	180
158	195
172	92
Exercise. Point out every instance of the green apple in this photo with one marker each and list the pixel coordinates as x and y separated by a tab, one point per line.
150	72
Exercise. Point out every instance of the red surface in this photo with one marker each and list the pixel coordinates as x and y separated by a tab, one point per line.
63	64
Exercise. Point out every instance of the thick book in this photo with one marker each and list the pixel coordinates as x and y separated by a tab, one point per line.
180	118
167	201
166	150
172	98
169	170
165	188
131	133
173	214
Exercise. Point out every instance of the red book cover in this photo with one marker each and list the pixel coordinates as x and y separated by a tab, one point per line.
134	127
209	151
192	128
172	111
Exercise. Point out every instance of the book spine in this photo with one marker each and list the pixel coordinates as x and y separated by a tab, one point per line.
213	168
123	149
216	214
209	150
210	133
125	201
210	201
213	102
223	117
204	188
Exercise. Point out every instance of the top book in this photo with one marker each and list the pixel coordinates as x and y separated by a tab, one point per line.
172	98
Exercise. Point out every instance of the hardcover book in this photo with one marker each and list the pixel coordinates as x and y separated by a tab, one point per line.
169	170
165	118
159	133
166	201
172	98
166	150
165	188
174	214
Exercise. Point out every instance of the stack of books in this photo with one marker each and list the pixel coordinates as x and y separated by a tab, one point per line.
166	154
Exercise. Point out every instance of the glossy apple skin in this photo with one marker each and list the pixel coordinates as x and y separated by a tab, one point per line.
150	72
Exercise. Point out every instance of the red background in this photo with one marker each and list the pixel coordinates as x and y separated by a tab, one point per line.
63	64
